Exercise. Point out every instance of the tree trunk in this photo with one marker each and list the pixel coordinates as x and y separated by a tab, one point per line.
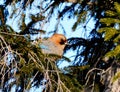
111	78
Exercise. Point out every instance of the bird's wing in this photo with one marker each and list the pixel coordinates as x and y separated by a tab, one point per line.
43	46
46	46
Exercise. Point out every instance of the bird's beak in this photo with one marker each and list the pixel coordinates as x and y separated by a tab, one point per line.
66	43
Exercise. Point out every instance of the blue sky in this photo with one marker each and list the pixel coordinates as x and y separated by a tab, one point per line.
67	24
49	26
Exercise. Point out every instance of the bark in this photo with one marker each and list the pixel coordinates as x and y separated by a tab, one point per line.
111	78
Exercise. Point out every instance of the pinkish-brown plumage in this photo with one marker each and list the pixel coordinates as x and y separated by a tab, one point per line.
54	45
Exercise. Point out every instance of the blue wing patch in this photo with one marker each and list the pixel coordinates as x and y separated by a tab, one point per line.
42	46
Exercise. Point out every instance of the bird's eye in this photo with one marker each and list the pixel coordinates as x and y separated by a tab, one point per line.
62	41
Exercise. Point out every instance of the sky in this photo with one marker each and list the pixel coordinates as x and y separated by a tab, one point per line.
67	23
49	26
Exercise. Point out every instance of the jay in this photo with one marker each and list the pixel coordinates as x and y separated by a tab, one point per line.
54	45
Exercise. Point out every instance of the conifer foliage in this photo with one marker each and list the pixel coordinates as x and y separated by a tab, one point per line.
111	29
23	66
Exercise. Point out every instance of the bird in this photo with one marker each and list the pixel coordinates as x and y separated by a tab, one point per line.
54	44
72	1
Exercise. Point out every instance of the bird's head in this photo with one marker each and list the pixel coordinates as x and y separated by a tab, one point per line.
59	40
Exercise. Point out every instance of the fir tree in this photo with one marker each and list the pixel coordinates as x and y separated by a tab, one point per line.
23	65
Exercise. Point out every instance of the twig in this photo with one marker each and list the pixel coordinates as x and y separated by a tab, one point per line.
11	34
92	70
31	81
